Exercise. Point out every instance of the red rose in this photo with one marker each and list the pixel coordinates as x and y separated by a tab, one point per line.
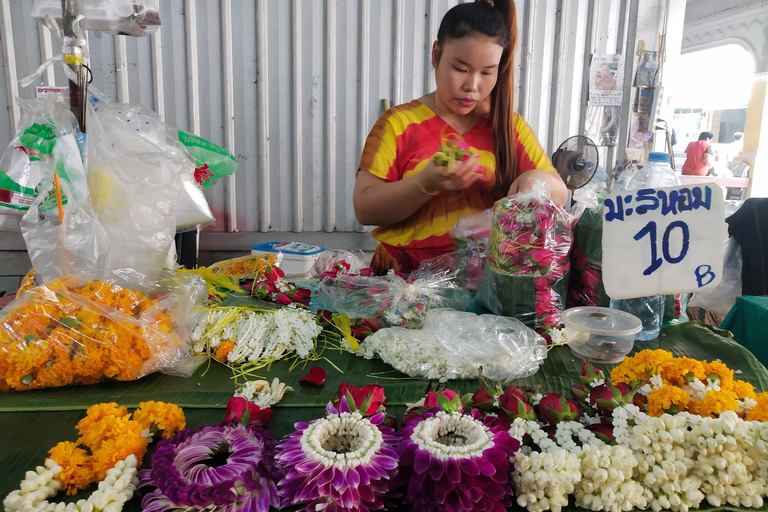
240	409
360	395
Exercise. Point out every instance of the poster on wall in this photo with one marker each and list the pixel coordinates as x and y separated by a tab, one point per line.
647	74
606	79
602	124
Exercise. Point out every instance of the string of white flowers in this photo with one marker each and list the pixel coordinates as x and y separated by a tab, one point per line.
452	435
262	393
258	335
342	441
606	480
43	483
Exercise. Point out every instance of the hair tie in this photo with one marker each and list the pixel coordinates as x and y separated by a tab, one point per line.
489	2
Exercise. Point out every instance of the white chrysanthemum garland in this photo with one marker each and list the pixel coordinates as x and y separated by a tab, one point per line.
258	336
263	393
43	483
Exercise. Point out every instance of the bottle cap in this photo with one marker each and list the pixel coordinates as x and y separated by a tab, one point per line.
662	158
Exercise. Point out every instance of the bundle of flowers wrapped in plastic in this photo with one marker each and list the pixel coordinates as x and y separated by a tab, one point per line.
118	324
393	300
527	259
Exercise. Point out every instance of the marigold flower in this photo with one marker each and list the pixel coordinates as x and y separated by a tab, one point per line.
715	370
744	389
76	470
167	418
640	367
714	403
681	370
760	411
223	350
663	399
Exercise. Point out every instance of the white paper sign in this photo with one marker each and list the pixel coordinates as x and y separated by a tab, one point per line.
663	241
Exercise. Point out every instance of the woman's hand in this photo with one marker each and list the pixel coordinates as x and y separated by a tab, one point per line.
437	178
525	182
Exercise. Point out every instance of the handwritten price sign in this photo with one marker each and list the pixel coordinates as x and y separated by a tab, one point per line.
663	241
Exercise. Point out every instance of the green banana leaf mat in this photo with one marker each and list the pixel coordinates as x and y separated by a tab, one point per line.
32	422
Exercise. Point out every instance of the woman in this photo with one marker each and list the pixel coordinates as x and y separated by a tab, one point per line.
402	190
699	156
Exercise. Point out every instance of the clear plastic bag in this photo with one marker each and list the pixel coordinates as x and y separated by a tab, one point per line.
120	324
391	300
135	184
333	262
247	267
526	266
585	285
29	158
71	240
471	234
722	298
120	17
454	345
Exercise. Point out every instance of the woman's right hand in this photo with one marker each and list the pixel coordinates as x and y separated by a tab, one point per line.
438	178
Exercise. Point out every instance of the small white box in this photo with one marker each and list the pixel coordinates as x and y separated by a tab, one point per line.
298	258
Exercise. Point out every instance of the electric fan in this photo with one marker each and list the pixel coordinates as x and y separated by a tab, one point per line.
576	160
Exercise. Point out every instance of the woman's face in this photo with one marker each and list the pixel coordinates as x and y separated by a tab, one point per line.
466	71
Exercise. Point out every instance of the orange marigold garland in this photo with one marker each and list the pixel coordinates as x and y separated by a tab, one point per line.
670	399
760	411
67	333
110	435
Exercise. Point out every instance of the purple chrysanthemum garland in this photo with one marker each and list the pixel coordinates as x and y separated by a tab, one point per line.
341	462
452	461
185	478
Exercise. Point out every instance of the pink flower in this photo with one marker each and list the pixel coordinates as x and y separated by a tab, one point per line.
551	320
542	256
282	298
430	402
245	412
541	285
590	278
524	238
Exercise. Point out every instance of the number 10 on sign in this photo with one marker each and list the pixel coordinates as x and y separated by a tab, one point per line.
660	241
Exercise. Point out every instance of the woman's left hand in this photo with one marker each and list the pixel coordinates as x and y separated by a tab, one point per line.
525	182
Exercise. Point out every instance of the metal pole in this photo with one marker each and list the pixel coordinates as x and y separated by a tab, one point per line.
73	58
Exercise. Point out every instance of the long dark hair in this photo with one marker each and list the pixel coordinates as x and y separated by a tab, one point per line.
496	20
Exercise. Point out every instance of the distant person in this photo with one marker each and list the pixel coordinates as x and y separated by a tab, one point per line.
699	156
606	81
735	147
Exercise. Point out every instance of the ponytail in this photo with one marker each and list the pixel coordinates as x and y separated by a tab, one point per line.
503	103
496	19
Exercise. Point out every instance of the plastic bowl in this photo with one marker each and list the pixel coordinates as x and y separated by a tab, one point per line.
600	335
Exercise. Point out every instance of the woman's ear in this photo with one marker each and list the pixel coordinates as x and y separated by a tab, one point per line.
435	54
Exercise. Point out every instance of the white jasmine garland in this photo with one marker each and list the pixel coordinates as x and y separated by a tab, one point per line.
536	399
452	435
597	382
258	335
656	381
343	441
558	337
39	485
606	480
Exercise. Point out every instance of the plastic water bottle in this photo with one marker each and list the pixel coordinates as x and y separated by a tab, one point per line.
657	173
650	311
622	182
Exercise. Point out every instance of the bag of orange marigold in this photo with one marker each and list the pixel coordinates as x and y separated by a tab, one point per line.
117	324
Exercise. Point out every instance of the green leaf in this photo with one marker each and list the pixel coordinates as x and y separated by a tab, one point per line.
70	322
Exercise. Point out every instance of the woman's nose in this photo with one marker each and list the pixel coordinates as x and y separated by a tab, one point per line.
471	82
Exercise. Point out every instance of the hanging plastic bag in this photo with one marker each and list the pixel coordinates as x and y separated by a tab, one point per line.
120	17
527	259
211	161
135	184
29	157
722	298
470	234
391	300
456	345
83	329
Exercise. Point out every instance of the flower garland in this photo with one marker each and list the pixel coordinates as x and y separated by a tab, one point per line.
109	449
114	491
448	458
341	462
67	333
239	335
226	467
676	384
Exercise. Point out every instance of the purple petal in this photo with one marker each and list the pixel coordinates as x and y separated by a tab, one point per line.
436	469
422	461
469	467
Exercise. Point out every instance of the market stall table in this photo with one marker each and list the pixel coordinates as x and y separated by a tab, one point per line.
34	421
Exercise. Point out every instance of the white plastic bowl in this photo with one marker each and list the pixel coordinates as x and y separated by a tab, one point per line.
600	335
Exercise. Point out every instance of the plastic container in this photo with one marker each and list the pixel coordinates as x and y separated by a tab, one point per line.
600	335
650	311
298	258
656	174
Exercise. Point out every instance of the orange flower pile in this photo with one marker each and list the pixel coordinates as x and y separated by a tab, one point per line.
678	374
251	267
66	333
108	435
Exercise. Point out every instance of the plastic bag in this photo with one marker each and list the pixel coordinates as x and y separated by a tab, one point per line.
73	242
527	259
120	17
211	161
455	345
29	157
246	267
191	208
83	329
333	262
585	286
722	298
471	234
134	185
391	300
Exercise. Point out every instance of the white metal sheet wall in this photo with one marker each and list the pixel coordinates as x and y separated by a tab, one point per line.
292	87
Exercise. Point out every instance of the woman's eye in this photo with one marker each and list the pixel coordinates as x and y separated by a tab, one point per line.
487	73
460	70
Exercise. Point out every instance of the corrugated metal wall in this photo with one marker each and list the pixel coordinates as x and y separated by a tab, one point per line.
292	87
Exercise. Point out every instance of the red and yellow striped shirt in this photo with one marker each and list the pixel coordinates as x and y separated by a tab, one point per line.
404	140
